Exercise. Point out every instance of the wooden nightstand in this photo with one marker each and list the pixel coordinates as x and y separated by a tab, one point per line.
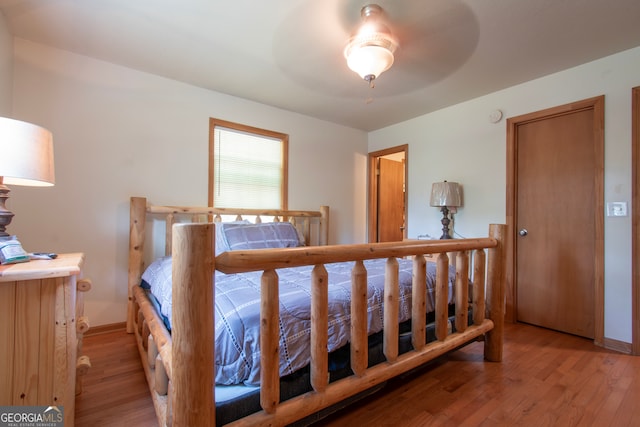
42	323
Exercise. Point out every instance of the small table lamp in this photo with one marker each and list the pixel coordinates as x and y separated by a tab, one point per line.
26	158
444	195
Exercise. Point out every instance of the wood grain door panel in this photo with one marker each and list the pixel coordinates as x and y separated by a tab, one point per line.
390	200
555	268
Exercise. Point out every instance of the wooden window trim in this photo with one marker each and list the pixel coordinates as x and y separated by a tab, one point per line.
213	122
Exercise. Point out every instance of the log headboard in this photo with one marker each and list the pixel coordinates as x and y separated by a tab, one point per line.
313	226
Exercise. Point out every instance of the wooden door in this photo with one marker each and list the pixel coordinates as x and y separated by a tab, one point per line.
390	200
635	221
387	194
558	219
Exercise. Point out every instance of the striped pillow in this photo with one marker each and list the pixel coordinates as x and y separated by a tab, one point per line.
267	235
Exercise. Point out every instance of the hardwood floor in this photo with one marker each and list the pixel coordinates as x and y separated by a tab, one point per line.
546	379
114	391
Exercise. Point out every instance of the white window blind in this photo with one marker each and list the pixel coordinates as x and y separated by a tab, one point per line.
247	170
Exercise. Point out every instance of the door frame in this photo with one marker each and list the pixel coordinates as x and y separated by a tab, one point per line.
635	220
597	105
372	185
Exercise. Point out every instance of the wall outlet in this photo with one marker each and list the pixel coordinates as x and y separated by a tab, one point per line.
617	209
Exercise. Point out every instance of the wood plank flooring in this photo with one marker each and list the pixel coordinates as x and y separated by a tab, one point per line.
114	391
546	379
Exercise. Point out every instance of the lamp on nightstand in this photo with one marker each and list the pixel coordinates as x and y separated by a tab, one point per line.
445	195
26	158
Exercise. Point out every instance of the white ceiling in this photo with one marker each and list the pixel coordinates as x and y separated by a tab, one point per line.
288	53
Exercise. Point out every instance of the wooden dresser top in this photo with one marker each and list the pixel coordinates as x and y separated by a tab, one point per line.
63	265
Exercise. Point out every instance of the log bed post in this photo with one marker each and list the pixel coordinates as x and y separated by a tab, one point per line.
495	303
419	303
391	308
323	238
358	328
269	341
442	295
478	286
462	290
137	218
192	399
319	327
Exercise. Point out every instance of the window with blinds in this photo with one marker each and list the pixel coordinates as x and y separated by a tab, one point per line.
247	167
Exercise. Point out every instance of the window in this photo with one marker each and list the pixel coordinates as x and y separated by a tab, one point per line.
247	166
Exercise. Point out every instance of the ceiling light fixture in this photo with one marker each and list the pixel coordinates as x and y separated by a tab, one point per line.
370	51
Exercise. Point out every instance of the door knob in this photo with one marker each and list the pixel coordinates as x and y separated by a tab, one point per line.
523	232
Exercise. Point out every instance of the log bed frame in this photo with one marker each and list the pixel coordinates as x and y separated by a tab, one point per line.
173	362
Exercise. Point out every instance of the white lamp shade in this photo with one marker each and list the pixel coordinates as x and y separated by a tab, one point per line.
446	194
370	51
369	60
26	154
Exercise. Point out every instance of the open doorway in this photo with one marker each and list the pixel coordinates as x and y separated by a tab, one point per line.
388	194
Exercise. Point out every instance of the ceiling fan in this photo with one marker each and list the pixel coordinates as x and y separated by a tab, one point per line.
427	42
370	50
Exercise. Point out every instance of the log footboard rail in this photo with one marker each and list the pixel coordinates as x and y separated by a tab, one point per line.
192	346
180	367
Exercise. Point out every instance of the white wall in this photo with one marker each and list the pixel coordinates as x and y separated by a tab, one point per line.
460	144
6	68
120	133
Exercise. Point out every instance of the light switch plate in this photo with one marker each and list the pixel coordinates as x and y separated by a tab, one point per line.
617	209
